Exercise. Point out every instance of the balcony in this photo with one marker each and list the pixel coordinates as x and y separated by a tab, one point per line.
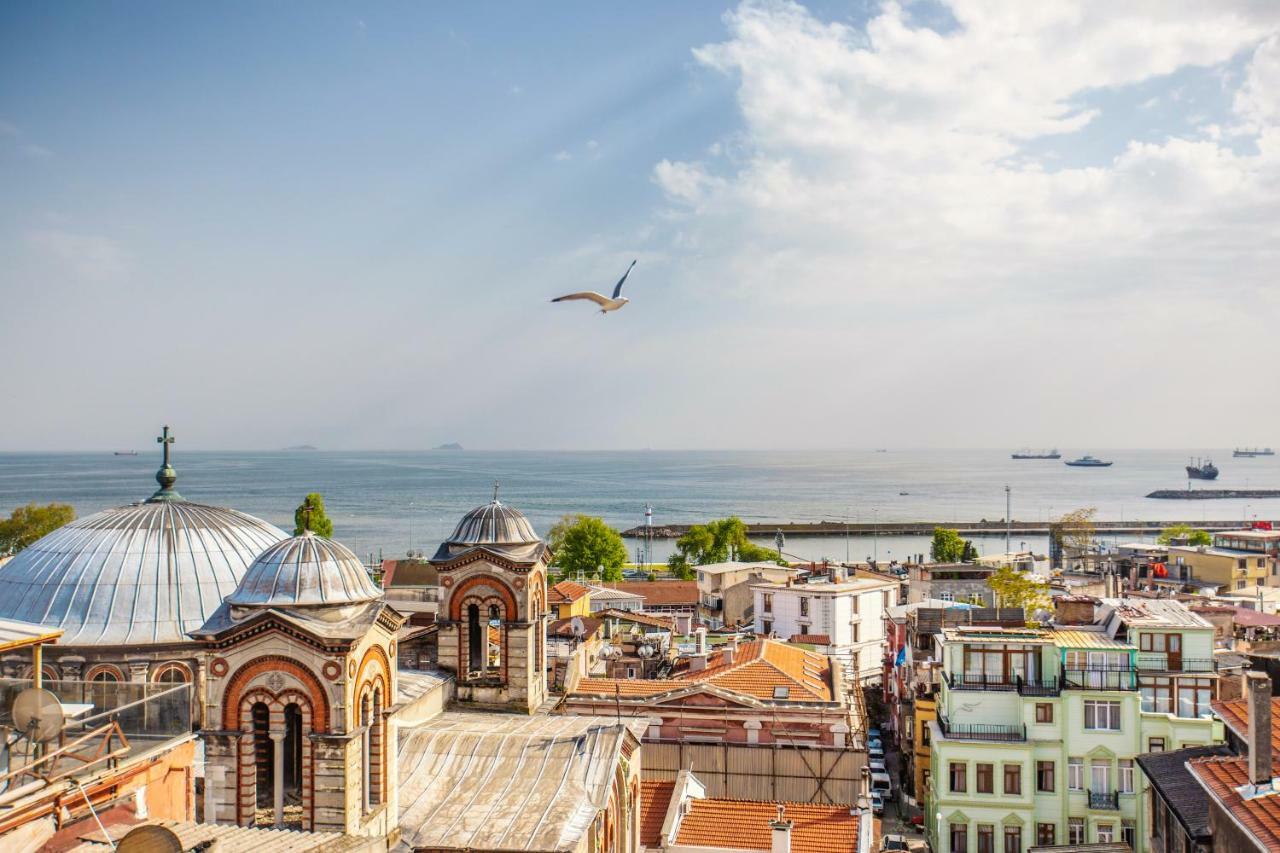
1105	800
1159	662
1100	678
1023	686
982	731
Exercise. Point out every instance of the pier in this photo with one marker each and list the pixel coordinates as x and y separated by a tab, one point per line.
926	528
1213	494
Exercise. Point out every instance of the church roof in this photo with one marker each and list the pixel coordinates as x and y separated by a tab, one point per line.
141	574
302	571
493	527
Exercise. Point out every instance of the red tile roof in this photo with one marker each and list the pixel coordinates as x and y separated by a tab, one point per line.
744	825
1235	715
811	639
660	593
1253	619
1260	815
564	627
664	622
758	668
655	799
566	592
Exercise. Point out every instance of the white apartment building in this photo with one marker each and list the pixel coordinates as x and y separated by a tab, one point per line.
848	611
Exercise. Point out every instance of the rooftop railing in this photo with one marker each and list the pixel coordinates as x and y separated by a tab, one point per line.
1100	678
982	731
1024	686
1159	662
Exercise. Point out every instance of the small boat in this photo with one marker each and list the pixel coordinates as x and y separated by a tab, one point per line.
1027	453
1202	469
1087	462
125	453
1250	452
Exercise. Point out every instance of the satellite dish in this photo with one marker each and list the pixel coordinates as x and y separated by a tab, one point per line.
37	714
646	651
576	626
149	838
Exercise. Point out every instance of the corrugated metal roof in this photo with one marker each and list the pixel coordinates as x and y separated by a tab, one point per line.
1068	639
496	527
505	782
242	839
134	575
305	570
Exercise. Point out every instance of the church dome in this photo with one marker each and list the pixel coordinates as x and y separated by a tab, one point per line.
494	524
134	575
305	570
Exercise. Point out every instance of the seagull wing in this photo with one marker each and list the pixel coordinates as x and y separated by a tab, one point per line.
617	288
598	298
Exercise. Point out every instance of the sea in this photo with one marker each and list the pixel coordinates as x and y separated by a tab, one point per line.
386	504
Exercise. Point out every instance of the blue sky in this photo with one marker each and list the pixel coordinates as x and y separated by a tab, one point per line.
276	223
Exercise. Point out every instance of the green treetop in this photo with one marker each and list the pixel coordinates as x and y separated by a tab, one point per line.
310	516
948	547
1184	532
28	523
718	541
584	543
1014	588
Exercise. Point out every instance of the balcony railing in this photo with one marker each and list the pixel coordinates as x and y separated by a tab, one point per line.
1024	686
982	731
1159	662
1100	678
1109	800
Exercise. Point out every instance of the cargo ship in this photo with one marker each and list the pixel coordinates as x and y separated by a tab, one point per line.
1202	469
1088	462
1037	454
1250	452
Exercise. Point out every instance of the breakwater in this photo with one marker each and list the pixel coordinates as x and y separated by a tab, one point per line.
1213	494
926	528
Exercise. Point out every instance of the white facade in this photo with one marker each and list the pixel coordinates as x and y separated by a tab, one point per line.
850	612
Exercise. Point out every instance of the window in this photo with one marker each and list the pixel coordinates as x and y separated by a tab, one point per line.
855	627
1044	776
853	602
924	735
986	779
1101	716
1157	694
1125	776
959	773
884	597
986	838
1100	776
768	627
1155	744
768	603
1194	695
1045	833
804	606
1075	774
1241	584
959	838
1127	834
1044	712
1075	830
631	672
1013	839
1106	833
951	596
1013	778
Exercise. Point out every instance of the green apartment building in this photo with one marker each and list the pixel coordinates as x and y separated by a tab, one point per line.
1038	728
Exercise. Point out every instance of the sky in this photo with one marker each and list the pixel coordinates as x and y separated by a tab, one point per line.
965	223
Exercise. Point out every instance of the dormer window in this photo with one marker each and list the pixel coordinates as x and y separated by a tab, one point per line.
781	692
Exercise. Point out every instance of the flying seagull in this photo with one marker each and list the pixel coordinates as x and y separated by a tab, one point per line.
606	303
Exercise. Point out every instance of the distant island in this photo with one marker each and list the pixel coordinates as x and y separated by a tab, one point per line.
303	447
453	445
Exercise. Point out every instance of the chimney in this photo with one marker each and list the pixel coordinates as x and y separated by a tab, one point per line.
781	832
1073	610
697	663
1257	691
700	641
727	654
683	623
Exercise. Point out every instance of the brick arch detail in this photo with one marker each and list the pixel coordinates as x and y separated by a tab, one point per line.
97	669
240	683
457	595
374	653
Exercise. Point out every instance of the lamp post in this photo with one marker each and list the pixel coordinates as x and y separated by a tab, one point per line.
1008	517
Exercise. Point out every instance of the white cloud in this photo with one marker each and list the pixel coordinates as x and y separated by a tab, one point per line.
562	156
86	256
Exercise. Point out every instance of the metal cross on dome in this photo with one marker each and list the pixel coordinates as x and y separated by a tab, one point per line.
306	516
167	441
495	491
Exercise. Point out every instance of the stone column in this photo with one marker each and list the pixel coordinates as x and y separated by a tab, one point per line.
213	782
277	767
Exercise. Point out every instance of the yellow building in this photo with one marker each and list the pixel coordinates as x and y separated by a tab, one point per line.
926	711
570	599
1237	560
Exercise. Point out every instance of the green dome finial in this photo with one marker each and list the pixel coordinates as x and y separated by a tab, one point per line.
166	476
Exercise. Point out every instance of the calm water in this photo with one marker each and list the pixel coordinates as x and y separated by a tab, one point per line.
388	500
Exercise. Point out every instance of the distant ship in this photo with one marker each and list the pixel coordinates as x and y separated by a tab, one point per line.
1088	462
125	453
1250	452
1027	453
1202	469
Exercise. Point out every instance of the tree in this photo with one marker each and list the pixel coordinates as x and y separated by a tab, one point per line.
315	521
1014	588
28	523
1076	529
947	546
587	544
680	568
970	553
721	540
1184	532
750	552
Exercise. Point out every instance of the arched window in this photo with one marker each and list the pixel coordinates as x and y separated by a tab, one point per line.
102	687
376	751
494	658
366	718
292	754
475	642
171	673
263	763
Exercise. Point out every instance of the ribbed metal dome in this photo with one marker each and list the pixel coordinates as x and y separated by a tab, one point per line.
141	574
305	570
494	524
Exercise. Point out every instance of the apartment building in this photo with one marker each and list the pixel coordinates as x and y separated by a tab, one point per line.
1237	560
724	589
1038	729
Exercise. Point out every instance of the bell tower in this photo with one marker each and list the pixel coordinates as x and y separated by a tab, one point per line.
493	608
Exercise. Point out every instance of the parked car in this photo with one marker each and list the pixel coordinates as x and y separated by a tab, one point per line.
882	784
877	803
876	752
893	842
875	743
876	765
